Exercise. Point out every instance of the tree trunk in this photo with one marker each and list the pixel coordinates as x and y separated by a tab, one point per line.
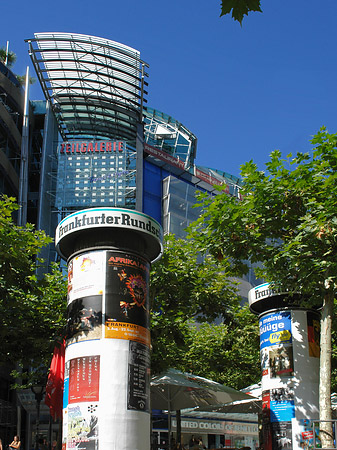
326	434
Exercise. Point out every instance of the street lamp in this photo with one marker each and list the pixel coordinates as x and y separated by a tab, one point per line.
38	391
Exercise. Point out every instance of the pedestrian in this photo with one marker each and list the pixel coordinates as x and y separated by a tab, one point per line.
16	443
192	442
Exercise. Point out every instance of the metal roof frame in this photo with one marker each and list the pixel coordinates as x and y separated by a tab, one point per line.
100	81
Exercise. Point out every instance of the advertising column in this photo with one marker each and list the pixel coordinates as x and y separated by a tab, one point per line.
289	348
107	373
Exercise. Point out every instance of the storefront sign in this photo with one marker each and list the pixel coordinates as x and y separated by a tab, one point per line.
216	427
164	156
209	179
76	147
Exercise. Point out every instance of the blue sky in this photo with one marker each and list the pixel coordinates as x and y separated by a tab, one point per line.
243	91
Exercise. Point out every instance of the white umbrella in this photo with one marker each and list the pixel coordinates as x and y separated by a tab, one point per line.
175	390
251	404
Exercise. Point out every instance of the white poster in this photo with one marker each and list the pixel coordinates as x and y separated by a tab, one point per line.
86	275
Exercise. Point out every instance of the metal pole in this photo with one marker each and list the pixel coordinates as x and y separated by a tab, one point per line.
169	419
7	52
38	401
23	183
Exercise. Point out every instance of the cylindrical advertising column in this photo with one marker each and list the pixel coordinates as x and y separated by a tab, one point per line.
107	365
289	349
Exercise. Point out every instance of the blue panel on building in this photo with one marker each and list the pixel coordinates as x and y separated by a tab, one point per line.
152	190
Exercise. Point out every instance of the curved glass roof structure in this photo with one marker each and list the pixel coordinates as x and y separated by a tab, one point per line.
95	86
166	133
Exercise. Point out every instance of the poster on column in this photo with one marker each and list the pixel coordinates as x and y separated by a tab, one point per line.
126	297
138	376
66	385
83	426
265	407
264	358
313	325
282	405
282	435
84	319
84	379
65	405
308	437
281	361
86	275
275	329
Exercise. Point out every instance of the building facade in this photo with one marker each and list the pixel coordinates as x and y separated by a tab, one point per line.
94	141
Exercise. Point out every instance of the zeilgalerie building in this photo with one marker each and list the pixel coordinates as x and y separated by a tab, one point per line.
96	143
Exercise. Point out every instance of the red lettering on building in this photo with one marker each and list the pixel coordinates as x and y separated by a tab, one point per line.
91	147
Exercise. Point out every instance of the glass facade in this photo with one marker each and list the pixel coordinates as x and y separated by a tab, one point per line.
96	179
178	206
166	133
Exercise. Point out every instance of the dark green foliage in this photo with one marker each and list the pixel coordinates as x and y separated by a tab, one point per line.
226	353
32	311
286	219
11	57
239	8
187	294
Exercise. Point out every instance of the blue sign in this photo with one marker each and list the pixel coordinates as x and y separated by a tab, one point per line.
275	329
282	411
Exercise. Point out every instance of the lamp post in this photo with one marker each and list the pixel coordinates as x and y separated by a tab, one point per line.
39	392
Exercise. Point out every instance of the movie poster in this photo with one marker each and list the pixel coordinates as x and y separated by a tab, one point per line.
313	325
83	426
84	319
84	379
281	361
86	275
138	377
127	298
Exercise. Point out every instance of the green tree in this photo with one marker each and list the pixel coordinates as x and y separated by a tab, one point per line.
11	57
233	350
32	311
185	288
286	219
239	8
